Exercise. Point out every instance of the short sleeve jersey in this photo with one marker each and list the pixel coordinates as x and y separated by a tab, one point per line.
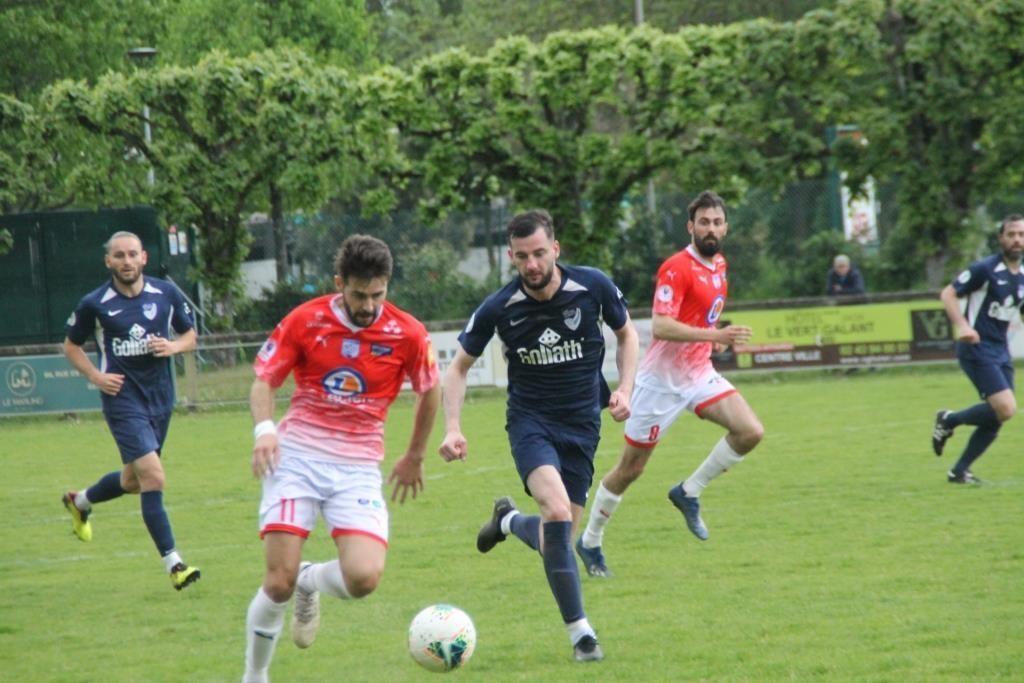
555	348
346	376
122	326
692	290
990	295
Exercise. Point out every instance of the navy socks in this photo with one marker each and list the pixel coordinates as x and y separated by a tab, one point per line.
526	529
107	488
155	516
563	574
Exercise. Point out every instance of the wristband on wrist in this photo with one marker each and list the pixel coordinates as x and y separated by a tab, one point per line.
263	428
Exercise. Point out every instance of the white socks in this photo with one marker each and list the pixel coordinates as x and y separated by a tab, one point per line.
325	577
506	522
578	629
170	559
82	501
601	511
721	458
263	625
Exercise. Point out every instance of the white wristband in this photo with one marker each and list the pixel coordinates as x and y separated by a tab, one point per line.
264	428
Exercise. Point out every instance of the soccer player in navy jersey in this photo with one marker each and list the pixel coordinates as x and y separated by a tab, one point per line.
131	317
549	319
980	304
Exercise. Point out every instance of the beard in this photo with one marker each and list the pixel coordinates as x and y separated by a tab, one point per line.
544	281
129	279
708	246
1012	254
361	319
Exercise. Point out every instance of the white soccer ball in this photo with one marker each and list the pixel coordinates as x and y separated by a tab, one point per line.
442	638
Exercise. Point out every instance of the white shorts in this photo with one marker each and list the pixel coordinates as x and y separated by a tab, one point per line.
348	496
652	411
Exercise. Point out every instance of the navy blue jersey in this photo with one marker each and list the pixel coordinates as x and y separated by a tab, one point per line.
554	348
122	326
990	296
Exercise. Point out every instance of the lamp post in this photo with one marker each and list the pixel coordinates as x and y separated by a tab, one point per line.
143	56
652	200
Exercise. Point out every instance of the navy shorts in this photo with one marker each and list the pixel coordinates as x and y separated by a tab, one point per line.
568	448
137	434
988	377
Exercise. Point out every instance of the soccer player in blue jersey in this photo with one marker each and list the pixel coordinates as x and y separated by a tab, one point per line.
131	317
549	319
980	303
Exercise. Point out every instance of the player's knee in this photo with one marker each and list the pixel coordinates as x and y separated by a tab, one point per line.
129	484
152	481
556	511
748	437
1005	412
362	584
279	586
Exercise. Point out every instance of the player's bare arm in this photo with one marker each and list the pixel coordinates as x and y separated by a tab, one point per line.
407	473
964	332
165	348
668	328
454	383
627	355
265	452
108	382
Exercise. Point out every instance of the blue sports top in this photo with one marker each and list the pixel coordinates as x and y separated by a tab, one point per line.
121	326
990	295
554	348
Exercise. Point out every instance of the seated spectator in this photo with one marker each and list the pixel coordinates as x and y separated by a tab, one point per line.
844	278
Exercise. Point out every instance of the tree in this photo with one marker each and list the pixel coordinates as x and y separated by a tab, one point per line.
222	131
48	40
578	122
935	87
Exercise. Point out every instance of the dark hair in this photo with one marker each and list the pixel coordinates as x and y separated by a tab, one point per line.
1012	218
707	200
363	257
526	223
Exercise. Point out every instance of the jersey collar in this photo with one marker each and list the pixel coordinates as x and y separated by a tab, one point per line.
342	315
696	256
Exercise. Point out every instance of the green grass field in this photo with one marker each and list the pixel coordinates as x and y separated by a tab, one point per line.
837	551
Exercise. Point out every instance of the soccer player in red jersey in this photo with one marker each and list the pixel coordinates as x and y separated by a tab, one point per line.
349	353
676	374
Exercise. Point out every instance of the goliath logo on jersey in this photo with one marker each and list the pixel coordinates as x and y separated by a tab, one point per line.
1004	311
550	351
344	384
137	345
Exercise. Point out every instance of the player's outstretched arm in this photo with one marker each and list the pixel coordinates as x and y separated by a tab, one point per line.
407	473
265	451
107	382
454	445
626	356
668	328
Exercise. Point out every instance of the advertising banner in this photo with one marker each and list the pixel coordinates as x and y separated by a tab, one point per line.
44	384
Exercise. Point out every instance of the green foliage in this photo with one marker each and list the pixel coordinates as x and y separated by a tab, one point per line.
49	40
935	87
332	31
276	302
431	288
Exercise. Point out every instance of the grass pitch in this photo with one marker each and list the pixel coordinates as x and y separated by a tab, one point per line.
837	551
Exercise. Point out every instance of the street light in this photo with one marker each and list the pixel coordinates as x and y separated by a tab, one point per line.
144	56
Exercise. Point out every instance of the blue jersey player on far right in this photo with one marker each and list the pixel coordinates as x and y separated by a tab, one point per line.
549	319
980	304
